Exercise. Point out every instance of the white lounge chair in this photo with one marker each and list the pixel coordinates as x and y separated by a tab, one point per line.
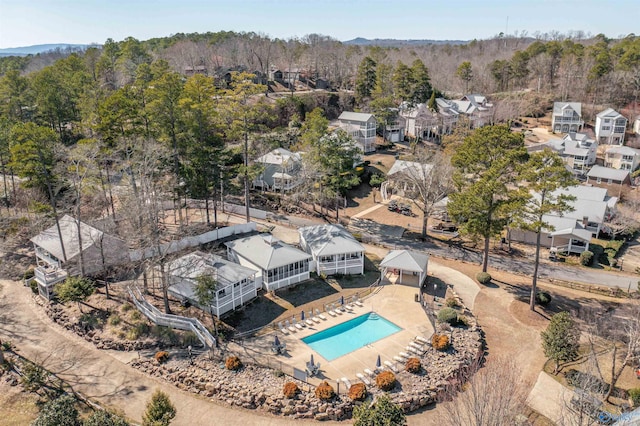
399	359
314	318
297	324
422	340
309	322
329	309
417	346
282	329
363	378
405	355
319	315
357	301
290	326
369	372
346	382
391	367
413	350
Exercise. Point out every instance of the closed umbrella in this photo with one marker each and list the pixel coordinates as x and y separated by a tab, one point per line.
302	316
277	342
342	300
311	362
378	363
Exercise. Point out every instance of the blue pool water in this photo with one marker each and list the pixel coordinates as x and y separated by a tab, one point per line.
343	338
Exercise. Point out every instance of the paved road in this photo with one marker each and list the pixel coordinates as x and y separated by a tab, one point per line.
524	266
99	375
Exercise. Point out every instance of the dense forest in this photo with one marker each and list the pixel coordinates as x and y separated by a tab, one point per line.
72	123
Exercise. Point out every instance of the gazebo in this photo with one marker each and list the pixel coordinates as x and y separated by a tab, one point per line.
404	267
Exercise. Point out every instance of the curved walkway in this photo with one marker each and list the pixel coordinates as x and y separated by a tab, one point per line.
99	375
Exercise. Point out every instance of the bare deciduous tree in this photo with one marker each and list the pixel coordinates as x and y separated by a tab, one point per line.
494	397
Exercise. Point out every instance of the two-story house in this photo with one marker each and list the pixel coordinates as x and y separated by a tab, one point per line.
420	121
567	117
235	284
576	149
334	249
281	170
361	127
622	157
68	253
476	107
610	127
278	265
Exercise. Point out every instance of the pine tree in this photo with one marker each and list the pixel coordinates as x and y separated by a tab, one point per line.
160	411
561	339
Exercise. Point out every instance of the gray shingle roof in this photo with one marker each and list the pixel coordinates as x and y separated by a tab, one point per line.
266	252
558	107
192	265
406	260
608	173
355	116
609	113
328	240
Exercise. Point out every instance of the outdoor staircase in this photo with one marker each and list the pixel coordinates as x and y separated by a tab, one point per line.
168	320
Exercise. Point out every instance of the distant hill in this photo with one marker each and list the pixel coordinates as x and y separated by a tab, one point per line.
391	42
40	48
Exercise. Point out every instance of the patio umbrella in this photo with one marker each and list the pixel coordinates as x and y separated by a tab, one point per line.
378	363
342	300
277	342
302	316
311	362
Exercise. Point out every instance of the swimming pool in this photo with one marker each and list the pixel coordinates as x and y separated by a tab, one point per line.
343	338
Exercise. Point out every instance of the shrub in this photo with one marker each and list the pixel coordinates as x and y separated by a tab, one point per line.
278	373
463	320
386	380
413	365
452	302
483	277
324	391
448	315
634	395
586	257
126	307
440	342
34	286
290	390
162	356
358	392
136	315
233	363
376	180
29	273
114	320
543	298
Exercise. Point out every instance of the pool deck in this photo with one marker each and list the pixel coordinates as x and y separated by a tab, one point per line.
393	302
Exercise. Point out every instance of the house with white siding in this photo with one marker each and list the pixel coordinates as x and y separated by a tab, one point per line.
567	117
278	265
235	284
361	127
334	249
610	127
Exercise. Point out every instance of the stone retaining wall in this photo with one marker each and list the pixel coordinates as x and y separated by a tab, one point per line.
260	388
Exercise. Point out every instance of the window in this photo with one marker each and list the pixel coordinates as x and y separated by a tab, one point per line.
222	293
599	180
627	158
606	127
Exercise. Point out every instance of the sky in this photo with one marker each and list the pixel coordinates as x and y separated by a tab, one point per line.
29	22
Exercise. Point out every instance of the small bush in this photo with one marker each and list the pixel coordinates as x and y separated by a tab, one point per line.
483	277
386	380
376	180
452	302
324	391
34	287
440	342
29	273
114	320
413	365
448	315
463	320
278	373
137	330
358	392
126	307
586	257
290	390
233	363
162	357
543	298
634	395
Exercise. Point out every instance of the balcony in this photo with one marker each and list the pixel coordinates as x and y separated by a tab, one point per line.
50	275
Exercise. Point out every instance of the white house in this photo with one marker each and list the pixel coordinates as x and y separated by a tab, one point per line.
236	284
394	130
402	175
476	107
567	117
622	157
56	261
420	121
576	149
361	127
281	170
277	264
404	267
610	127
636	126
334	249
572	231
